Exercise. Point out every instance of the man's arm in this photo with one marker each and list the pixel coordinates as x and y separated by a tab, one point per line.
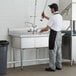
45	29
44	16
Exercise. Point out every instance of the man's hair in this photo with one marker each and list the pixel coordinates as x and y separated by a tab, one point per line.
54	6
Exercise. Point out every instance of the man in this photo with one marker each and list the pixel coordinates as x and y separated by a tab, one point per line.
55	38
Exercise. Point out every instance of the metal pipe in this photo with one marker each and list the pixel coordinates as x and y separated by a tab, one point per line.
73	26
34	16
26	23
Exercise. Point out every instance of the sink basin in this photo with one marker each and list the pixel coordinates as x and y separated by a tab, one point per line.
23	33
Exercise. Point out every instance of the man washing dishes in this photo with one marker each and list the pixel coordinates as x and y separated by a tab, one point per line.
55	38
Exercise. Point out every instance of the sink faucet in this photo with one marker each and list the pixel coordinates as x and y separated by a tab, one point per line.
26	23
34	30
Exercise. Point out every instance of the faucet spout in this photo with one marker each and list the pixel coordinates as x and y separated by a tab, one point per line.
33	28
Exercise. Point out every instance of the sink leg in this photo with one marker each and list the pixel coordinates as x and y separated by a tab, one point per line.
13	57
36	56
21	54
37	53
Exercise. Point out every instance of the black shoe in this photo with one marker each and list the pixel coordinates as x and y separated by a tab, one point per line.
49	69
58	68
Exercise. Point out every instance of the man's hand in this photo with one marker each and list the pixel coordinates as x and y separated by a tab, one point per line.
41	30
45	29
44	16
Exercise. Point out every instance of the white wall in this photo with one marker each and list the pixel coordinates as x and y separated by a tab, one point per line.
74	10
73	0
14	14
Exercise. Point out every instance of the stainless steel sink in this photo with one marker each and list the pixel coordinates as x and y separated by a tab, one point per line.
26	33
24	39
